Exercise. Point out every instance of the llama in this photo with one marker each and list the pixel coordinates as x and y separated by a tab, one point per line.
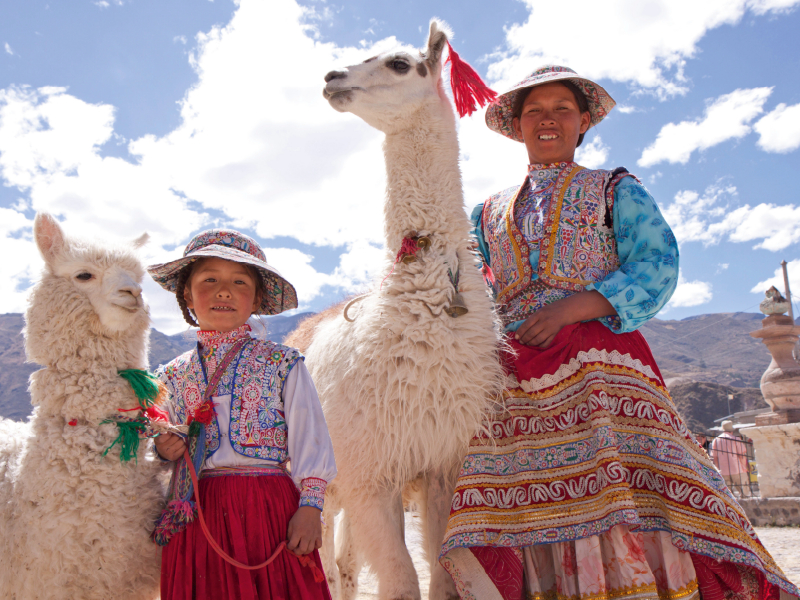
404	384
73	522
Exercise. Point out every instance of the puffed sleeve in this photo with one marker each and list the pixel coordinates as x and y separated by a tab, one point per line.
309	444
477	232
648	255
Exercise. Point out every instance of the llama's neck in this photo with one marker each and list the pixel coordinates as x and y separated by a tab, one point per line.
423	179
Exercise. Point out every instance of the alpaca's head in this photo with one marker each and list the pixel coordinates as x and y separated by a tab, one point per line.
386	89
88	290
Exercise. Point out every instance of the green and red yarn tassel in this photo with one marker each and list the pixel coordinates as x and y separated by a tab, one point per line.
127	438
144	385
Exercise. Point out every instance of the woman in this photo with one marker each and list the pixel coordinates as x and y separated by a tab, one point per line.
590	485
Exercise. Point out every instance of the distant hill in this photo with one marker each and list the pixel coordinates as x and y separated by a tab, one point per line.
715	348
702	358
14	371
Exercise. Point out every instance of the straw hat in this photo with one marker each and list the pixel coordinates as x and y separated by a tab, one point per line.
237	247
500	112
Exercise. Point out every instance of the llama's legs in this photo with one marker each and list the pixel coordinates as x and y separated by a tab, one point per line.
347	558
379	533
327	552
438	497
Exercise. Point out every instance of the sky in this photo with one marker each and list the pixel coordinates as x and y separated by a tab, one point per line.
125	116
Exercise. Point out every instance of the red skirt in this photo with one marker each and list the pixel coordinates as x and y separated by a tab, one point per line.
248	516
590	485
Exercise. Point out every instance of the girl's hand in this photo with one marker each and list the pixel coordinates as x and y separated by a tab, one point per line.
305	531
170	446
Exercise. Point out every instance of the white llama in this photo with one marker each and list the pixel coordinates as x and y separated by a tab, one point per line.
75	523
405	385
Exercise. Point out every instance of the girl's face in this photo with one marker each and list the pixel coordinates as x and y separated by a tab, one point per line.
222	293
550	124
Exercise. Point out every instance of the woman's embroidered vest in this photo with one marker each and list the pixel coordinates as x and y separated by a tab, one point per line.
578	247
255	380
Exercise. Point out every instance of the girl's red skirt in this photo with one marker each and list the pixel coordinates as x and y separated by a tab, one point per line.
248	516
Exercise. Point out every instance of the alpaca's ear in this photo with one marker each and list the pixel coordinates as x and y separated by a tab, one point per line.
141	240
49	236
437	38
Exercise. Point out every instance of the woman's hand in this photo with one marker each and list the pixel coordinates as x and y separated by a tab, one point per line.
170	446
305	531
541	328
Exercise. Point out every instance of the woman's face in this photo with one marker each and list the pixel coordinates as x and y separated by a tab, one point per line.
550	124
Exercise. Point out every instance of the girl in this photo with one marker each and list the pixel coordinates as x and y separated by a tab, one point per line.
590	484
250	406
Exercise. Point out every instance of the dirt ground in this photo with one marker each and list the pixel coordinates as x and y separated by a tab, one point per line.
782	542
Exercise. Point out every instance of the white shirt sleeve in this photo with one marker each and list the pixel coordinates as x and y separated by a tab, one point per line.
309	444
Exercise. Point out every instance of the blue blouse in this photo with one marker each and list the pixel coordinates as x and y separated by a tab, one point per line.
648	255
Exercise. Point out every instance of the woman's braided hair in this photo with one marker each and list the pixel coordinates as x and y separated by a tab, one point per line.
183	278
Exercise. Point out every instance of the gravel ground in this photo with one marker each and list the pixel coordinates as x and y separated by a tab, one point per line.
782	542
784	545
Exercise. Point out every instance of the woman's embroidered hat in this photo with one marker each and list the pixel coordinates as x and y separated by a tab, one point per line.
500	112
237	247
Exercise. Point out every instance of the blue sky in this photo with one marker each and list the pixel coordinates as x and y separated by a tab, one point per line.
123	116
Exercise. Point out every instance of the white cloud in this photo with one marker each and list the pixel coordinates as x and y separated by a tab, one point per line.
8	49
664	33
709	218
793	271
592	155
257	148
690	293
725	118
780	129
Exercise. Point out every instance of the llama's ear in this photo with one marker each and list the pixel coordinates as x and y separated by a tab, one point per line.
49	236
437	39
141	240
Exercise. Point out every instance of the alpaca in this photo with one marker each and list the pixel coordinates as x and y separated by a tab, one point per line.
73	522
405	385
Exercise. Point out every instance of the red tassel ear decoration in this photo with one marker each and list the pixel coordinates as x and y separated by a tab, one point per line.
468	87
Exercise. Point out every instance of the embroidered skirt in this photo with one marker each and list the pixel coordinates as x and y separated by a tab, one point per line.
590	486
248	515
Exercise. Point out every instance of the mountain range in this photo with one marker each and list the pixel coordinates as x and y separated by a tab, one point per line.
703	359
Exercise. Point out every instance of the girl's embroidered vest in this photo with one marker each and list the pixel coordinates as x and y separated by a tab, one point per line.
578	247
255	380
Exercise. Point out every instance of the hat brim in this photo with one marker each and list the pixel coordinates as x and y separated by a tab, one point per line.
280	294
499	115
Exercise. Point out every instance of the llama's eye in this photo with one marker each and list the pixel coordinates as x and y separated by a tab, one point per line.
400	66
83	276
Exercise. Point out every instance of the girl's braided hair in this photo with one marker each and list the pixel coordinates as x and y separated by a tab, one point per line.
183	278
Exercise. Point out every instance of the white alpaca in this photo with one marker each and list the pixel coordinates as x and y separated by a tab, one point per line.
73	523
404	386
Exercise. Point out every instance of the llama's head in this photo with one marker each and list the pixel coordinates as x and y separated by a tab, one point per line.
88	291
386	89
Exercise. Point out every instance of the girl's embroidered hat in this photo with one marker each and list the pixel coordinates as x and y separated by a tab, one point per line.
500	112
237	247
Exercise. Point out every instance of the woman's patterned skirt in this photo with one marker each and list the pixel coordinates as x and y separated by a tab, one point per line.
587	484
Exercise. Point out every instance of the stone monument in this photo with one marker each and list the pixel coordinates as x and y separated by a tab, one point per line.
776	435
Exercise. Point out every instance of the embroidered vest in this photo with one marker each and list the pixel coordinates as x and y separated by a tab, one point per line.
255	380
578	247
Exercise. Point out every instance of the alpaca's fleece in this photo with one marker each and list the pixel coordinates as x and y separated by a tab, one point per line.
405	386
73	523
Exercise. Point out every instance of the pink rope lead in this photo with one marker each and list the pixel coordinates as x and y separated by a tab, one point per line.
306	561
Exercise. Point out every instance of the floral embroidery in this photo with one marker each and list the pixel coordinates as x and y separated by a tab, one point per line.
254	380
312	492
